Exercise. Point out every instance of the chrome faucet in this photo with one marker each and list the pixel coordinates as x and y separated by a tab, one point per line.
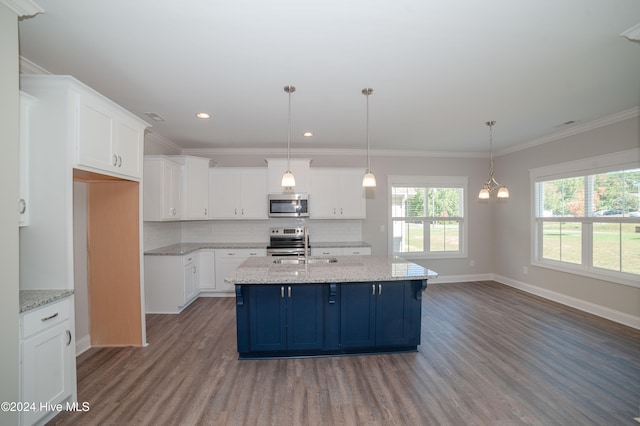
306	244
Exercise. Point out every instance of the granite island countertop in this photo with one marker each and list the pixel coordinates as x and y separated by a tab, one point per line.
263	270
32	299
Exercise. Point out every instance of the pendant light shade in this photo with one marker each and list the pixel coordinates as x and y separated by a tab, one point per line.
288	180
369	180
492	184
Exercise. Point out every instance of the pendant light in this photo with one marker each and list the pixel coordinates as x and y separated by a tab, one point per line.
369	180
288	180
492	184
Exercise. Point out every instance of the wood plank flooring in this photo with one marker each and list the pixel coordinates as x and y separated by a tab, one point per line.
490	355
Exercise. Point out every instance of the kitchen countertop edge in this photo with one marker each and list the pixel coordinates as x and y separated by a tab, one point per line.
181	249
32	299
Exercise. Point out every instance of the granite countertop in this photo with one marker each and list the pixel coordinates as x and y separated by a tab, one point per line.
32	299
186	248
263	270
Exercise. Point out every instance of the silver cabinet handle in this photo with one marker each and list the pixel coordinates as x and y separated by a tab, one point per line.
119	161
194	269
49	317
205	212
242	212
282	292
379	289
115	160
289	292
68	337
235	212
373	289
341	211
22	206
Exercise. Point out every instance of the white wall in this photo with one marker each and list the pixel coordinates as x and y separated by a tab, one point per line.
9	269
512	224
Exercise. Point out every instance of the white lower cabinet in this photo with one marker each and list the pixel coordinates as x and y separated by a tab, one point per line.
207	268
229	259
341	251
48	361
170	283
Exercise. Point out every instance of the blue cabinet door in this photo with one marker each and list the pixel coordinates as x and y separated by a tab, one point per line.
379	314
394	323
304	317
267	318
358	315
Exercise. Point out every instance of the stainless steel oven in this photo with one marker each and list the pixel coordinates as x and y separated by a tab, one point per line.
288	205
289	242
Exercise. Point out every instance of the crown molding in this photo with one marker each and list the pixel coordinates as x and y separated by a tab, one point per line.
28	67
632	33
155	138
575	130
23	8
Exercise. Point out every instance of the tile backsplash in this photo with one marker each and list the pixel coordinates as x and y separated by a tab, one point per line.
159	234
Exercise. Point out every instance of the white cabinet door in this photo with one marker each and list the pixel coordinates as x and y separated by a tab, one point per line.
129	147
352	198
337	193
24	207
96	134
223	194
228	260
48	368
237	193
322	196
108	140
195	188
253	192
162	189
207	268
190	279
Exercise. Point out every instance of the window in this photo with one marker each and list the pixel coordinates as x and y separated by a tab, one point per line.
427	216
587	221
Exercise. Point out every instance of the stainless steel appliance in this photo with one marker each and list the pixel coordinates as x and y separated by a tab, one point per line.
288	205
291	242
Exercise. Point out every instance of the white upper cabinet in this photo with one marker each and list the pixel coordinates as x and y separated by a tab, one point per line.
162	188
105	137
299	168
337	193
238	193
195	187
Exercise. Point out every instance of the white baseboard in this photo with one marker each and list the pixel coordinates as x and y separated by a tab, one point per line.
205	293
592	308
83	344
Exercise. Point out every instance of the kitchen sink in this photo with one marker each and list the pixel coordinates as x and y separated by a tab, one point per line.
302	260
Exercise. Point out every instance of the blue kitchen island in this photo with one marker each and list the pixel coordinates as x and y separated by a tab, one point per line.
328	306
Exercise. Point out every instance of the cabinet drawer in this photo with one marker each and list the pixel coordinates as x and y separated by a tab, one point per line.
362	251
241	252
45	317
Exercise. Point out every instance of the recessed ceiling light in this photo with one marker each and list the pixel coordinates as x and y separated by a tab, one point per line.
203	115
307	134
154	116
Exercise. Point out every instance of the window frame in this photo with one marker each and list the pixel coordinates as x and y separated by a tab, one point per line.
430	182
624	160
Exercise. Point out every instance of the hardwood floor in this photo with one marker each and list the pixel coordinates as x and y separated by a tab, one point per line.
490	355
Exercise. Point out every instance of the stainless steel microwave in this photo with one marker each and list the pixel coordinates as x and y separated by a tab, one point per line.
288	205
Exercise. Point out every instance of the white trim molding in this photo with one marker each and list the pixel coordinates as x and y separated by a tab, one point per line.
582	305
23	8
28	67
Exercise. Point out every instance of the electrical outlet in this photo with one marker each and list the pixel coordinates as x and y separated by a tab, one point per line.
472	263
525	270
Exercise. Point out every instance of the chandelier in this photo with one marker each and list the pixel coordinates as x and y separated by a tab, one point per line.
492	184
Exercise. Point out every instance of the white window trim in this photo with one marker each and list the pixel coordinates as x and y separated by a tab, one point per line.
430	181
628	159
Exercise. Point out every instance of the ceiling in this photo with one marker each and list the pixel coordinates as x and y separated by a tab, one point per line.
439	69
